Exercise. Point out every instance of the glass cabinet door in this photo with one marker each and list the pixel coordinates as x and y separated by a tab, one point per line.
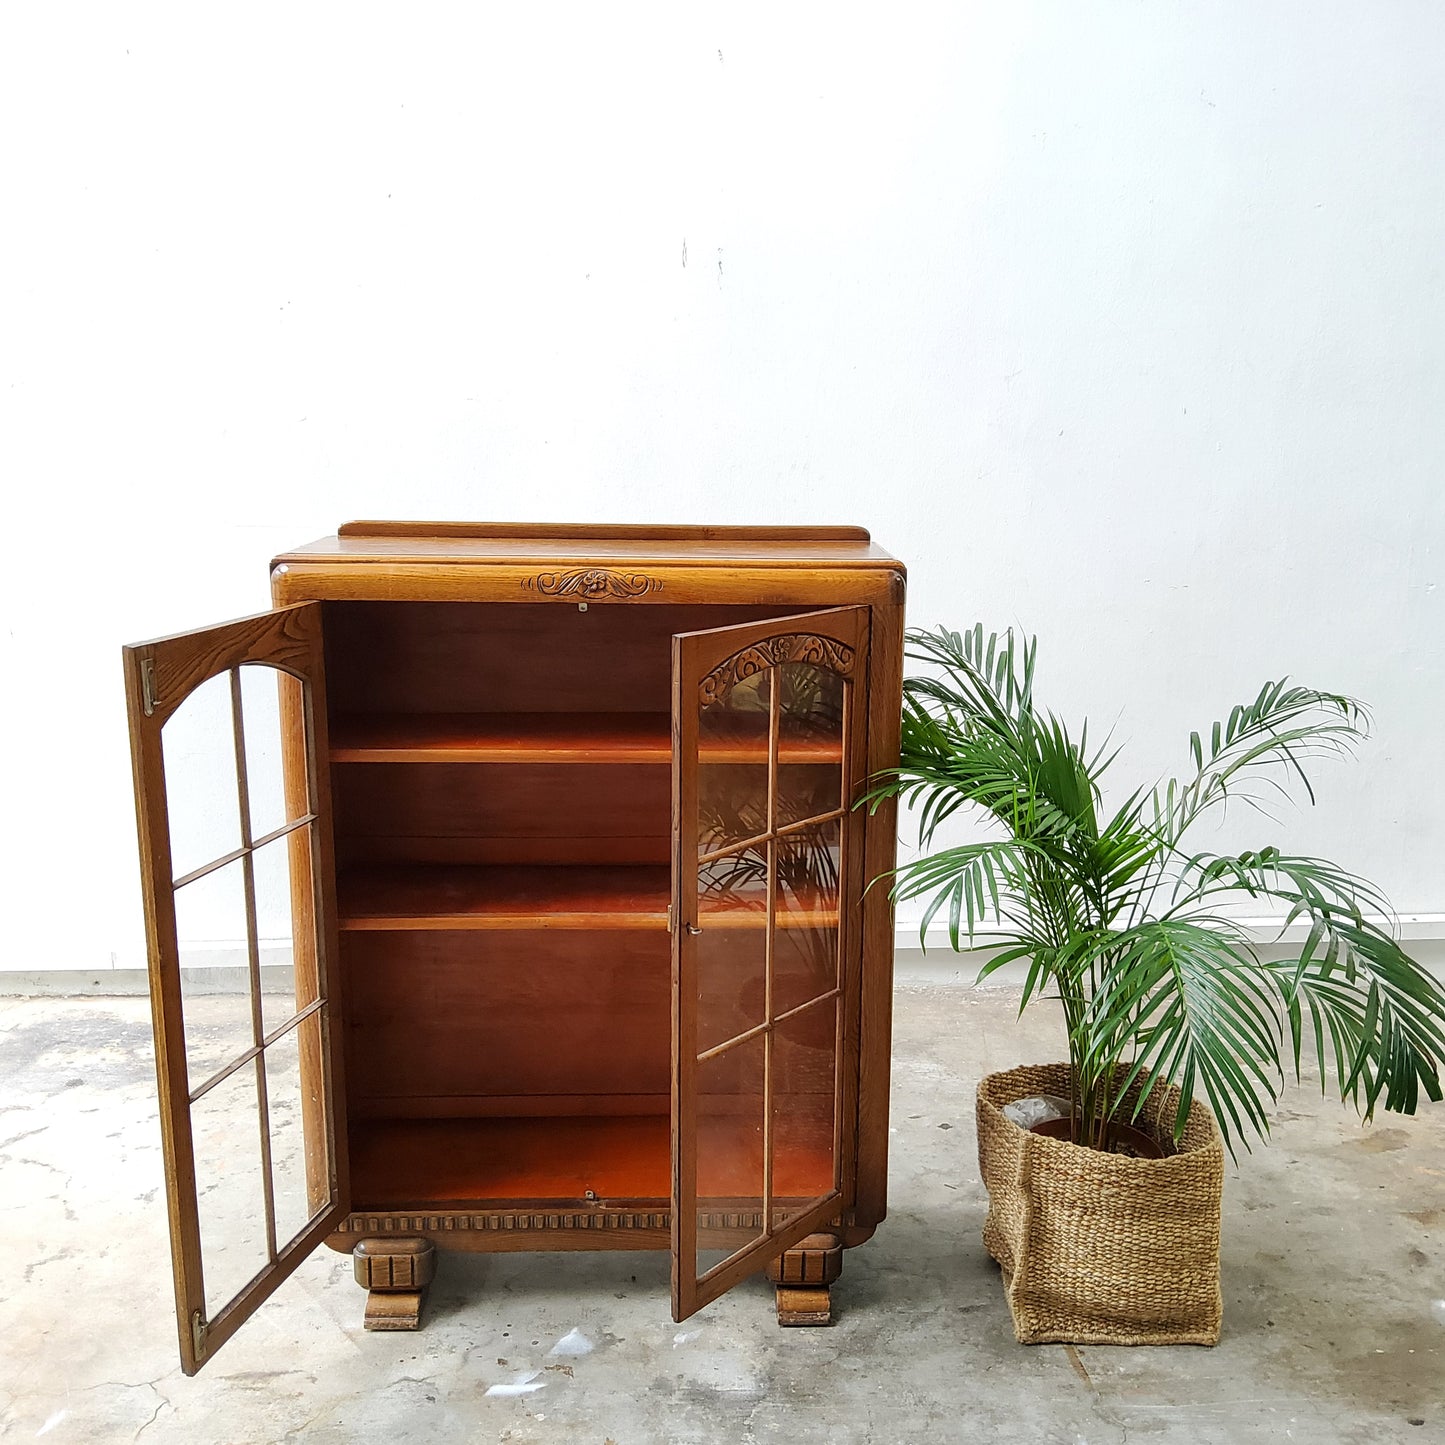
769	721
227	726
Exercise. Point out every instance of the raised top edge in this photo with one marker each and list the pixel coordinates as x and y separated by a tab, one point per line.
585	531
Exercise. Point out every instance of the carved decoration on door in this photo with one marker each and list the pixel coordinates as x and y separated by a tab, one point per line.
771	652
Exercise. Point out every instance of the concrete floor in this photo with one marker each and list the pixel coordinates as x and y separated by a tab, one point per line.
1334	1285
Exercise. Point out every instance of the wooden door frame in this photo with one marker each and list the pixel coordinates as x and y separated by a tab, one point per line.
694	655
159	676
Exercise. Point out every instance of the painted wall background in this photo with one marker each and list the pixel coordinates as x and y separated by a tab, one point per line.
1120	322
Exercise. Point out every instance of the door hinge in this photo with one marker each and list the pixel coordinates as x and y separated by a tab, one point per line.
148	685
198	1333
670	923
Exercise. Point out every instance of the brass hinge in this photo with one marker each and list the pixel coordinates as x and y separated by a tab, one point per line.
198	1333
148	685
669	918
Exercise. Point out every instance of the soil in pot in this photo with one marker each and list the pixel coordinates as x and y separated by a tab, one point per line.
1124	1139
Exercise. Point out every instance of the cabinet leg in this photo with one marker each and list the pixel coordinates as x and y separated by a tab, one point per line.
395	1274
803	1276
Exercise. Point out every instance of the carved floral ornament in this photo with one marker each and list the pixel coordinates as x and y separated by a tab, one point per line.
589	583
772	652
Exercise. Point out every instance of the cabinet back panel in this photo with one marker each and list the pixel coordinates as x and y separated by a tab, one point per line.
444	1022
462	657
447	812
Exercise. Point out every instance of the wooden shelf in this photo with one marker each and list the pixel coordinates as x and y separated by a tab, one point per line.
504	897
401	1163
540	737
545	897
427	1163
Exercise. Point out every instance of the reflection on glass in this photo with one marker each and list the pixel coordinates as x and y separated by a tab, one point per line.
732	949
805	1080
805	945
768	952
805	964
285	1103
734	886
261	715
732	775
811	700
805	791
230	1197
810	742
730	1148
198	748
288	982
215	970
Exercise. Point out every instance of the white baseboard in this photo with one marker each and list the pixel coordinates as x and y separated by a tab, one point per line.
1410	928
940	964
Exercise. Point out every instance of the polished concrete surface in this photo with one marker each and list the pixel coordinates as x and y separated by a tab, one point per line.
1333	1269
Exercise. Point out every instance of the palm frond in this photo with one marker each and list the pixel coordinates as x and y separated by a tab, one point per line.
1190	993
978	883
1281	729
1123	926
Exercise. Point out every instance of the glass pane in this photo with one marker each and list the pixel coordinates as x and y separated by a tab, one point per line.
215	970
805	964
732	889
230	1197
198	748
805	1085
284	927
732	949
810	741
268	695
805	945
807	791
730	1147
732	774
293	1064
732	966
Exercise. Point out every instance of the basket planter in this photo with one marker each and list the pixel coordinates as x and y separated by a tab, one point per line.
1097	1248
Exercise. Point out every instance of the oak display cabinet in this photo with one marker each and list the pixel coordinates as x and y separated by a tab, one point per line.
543	844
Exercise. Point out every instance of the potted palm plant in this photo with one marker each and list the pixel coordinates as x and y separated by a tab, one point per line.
1164	995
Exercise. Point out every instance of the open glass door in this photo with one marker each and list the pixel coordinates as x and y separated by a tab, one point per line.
227	726
769	724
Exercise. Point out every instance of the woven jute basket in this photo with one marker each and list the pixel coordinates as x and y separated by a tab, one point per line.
1098	1248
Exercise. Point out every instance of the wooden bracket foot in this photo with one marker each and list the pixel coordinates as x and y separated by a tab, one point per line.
398	1311
804	1306
803	1276
395	1274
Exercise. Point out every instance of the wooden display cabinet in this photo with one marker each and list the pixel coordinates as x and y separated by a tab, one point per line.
579	953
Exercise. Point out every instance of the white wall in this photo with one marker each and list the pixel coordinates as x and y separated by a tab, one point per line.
1124	322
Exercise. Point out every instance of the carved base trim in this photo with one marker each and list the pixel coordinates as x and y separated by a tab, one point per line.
388	1264
816	1260
511	1221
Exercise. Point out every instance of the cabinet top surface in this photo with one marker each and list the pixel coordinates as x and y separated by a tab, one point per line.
548	543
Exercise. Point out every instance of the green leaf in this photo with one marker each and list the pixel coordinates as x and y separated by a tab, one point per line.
1121	923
